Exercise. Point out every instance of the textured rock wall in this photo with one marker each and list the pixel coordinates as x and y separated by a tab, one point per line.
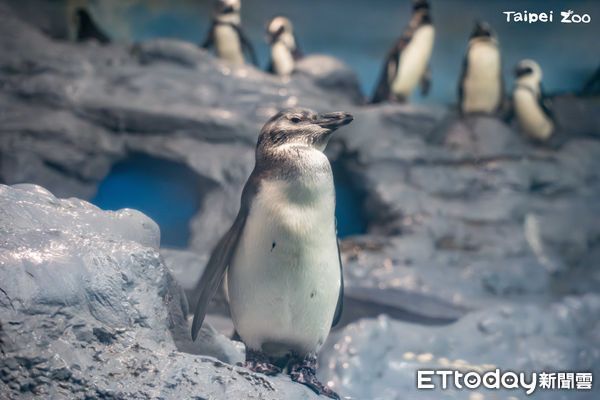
88	309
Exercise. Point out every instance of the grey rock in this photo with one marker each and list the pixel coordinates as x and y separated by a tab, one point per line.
96	105
561	336
577	116
89	309
331	74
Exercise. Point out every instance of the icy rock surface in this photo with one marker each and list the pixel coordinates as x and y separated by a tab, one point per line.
529	338
89	310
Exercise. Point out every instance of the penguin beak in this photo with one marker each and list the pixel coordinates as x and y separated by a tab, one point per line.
334	120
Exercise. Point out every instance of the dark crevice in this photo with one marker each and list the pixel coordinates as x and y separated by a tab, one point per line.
169	192
350	210
358	210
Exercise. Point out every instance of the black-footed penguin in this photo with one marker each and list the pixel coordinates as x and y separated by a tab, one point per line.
533	116
481	86
281	255
226	36
284	47
87	29
407	63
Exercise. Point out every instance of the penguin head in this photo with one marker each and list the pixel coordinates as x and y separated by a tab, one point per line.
528	69
277	27
482	30
420	5
302	127
224	7
421	12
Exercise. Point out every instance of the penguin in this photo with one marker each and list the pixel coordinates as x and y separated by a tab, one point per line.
281	256
87	29
407	63
533	117
481	87
226	36
284	46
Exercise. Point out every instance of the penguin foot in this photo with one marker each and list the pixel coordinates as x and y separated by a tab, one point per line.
257	361
305	372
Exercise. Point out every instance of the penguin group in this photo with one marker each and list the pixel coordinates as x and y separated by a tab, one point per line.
406	66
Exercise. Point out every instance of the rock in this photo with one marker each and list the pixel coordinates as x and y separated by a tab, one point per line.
464	225
98	105
88	309
331	74
185	266
562	336
577	116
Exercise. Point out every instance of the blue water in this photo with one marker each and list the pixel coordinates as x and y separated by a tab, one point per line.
168	192
360	32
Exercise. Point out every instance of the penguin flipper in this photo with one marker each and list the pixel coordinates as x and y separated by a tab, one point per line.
340	302
270	68
210	38
426	82
246	45
221	256
389	70
463	75
546	103
382	91
297	53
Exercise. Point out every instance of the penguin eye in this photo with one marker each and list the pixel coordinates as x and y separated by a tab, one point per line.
295	120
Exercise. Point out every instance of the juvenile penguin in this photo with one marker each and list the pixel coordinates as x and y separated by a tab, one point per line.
284	47
226	36
481	88
532	115
87	29
281	255
407	63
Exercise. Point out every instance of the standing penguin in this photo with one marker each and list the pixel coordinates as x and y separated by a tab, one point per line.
407	63
284	47
481	88
281	255
532	115
87	29
226	36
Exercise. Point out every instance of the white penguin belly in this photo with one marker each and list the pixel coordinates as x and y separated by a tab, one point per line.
227	44
482	90
283	61
413	61
284	280
531	117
